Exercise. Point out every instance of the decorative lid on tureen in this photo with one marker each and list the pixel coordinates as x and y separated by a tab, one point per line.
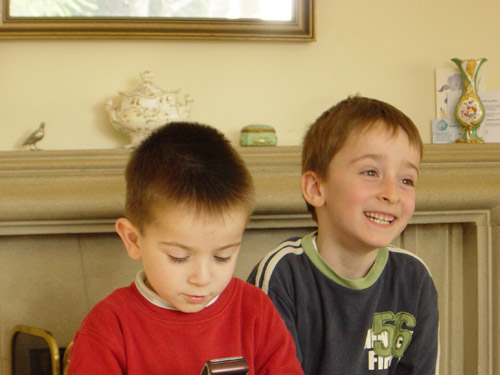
147	88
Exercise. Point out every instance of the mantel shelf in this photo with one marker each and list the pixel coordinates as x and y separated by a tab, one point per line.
81	186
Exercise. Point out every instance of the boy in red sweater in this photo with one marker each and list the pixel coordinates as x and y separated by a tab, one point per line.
188	200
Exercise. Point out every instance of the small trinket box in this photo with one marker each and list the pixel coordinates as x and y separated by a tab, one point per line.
258	135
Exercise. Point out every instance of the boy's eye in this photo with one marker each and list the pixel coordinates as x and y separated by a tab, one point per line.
371	173
177	259
408	181
222	259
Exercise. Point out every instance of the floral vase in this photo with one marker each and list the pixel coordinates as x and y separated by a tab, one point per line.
469	111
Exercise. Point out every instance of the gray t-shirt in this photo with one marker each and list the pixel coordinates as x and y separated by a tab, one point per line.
384	323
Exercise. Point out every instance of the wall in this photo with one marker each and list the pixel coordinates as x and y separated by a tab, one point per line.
387	49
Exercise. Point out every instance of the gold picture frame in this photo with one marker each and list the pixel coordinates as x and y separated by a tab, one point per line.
299	28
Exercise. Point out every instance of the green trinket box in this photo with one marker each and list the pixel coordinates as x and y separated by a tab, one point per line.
258	135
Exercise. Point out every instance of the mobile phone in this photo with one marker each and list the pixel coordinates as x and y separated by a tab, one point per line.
226	366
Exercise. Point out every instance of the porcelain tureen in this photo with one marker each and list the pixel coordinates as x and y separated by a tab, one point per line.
147	108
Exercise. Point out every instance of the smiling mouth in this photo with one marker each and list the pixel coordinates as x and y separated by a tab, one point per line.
380	218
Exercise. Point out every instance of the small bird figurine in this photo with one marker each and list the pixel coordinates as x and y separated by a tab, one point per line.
35	137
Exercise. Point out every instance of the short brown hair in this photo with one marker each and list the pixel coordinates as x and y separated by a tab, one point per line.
187	164
329	132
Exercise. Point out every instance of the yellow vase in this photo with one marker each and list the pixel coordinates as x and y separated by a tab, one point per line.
469	111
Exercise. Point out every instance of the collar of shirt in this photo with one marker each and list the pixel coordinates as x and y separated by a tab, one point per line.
151	296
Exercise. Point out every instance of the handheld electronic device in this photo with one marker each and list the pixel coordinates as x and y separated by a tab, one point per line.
226	366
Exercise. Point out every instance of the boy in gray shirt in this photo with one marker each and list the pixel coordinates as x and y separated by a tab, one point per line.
353	303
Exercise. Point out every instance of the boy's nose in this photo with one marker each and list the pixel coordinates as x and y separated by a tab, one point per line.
389	191
201	274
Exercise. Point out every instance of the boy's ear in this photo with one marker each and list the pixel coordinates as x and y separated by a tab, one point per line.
130	236
310	185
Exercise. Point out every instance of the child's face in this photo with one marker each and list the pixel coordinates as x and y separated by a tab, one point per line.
369	194
189	258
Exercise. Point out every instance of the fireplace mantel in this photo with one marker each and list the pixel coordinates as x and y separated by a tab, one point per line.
83	190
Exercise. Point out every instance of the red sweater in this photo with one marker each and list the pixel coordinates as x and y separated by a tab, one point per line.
126	334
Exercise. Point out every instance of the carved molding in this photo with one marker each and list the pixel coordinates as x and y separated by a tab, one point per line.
467	297
83	190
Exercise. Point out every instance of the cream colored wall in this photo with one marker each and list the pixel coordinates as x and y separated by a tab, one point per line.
386	49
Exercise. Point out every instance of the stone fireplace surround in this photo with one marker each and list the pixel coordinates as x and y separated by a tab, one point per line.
59	254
